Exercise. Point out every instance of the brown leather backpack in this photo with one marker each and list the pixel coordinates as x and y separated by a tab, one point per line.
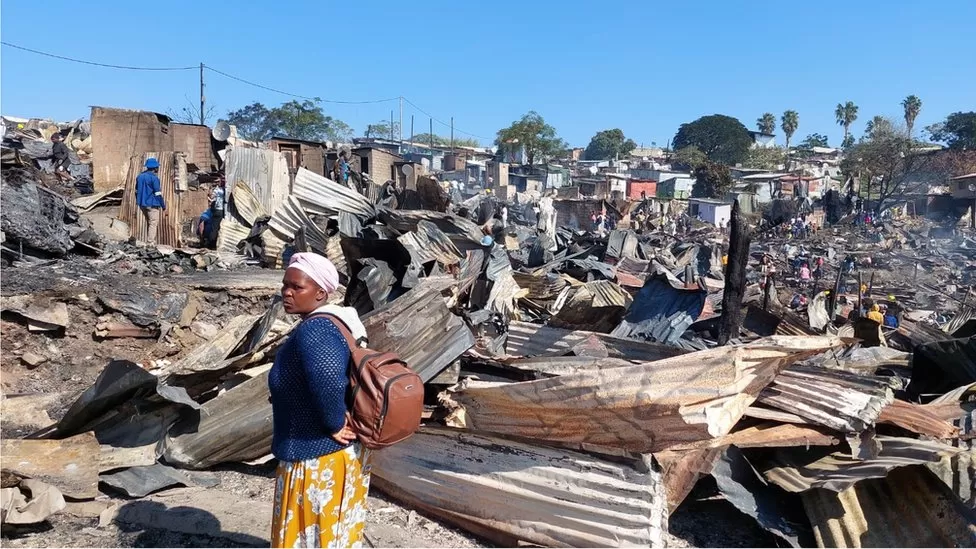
386	396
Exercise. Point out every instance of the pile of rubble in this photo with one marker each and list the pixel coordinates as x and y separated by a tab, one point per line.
577	389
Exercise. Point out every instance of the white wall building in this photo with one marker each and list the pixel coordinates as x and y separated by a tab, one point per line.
716	212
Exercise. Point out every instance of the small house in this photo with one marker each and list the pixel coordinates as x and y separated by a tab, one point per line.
716	212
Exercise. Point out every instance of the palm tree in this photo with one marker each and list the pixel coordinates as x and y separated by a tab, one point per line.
767	123
789	122
846	114
912	105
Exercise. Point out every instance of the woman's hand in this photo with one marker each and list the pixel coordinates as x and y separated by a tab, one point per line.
345	435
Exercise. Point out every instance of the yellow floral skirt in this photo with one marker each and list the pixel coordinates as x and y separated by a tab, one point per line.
322	502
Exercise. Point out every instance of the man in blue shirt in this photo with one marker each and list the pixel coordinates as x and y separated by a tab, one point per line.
149	197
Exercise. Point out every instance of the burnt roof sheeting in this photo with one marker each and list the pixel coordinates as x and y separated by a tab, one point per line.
846	402
598	306
247	206
328	197
959	471
908	508
661	312
511	491
526	339
839	471
543	286
428	243
290	217
465	233
421	329
265	172
644	408
941	366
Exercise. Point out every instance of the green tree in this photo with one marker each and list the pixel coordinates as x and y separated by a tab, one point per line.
712	180
381	130
441	141
879	127
722	138
533	133
912	105
767	123
298	120
958	131
254	122
609	144
765	158
848	142
813	140
846	114
789	122
688	158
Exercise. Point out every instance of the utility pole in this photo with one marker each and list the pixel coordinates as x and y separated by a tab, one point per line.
431	135
411	130
202	99
391	125
452	134
400	128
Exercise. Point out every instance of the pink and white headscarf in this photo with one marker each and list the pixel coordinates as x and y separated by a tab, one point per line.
318	268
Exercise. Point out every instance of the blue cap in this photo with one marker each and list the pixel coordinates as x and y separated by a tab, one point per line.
151	163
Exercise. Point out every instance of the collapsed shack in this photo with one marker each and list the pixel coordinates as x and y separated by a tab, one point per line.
575	382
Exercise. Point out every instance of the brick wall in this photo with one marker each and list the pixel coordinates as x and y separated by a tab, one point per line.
118	135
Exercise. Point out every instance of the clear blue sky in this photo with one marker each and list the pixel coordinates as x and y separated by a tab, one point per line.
642	66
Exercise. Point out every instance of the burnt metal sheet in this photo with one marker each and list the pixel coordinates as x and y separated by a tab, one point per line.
141	481
290	217
248	207
429	243
543	286
794	472
941	366
908	508
465	233
597	306
236	426
772	508
263	170
918	419
70	465
421	329
513	491
324	196
959	471
846	402
525	339
644	408
231	233
120	385
661	312
769	434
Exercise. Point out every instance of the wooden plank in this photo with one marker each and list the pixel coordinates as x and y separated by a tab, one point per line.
70	465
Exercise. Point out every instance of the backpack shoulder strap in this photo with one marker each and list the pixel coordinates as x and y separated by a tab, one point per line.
343	329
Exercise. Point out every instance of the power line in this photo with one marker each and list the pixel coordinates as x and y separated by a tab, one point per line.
126	67
442	122
248	82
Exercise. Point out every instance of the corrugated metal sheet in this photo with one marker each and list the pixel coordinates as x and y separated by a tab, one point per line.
248	207
839	471
959	471
543	286
918	419
642	408
290	217
511	491
421	329
170	220
598	306
526	339
86	203
428	243
231	233
847	402
465	234
908	508
265	172
324	196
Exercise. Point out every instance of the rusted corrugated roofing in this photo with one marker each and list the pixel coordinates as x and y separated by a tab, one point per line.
542	286
846	402
908	508
917	418
512	491
598	305
839	471
171	219
643	408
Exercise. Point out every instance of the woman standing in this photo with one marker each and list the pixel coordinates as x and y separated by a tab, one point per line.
323	476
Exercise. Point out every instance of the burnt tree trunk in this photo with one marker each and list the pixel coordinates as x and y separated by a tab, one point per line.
735	277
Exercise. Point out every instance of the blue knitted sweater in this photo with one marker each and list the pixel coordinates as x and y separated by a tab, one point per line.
308	391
